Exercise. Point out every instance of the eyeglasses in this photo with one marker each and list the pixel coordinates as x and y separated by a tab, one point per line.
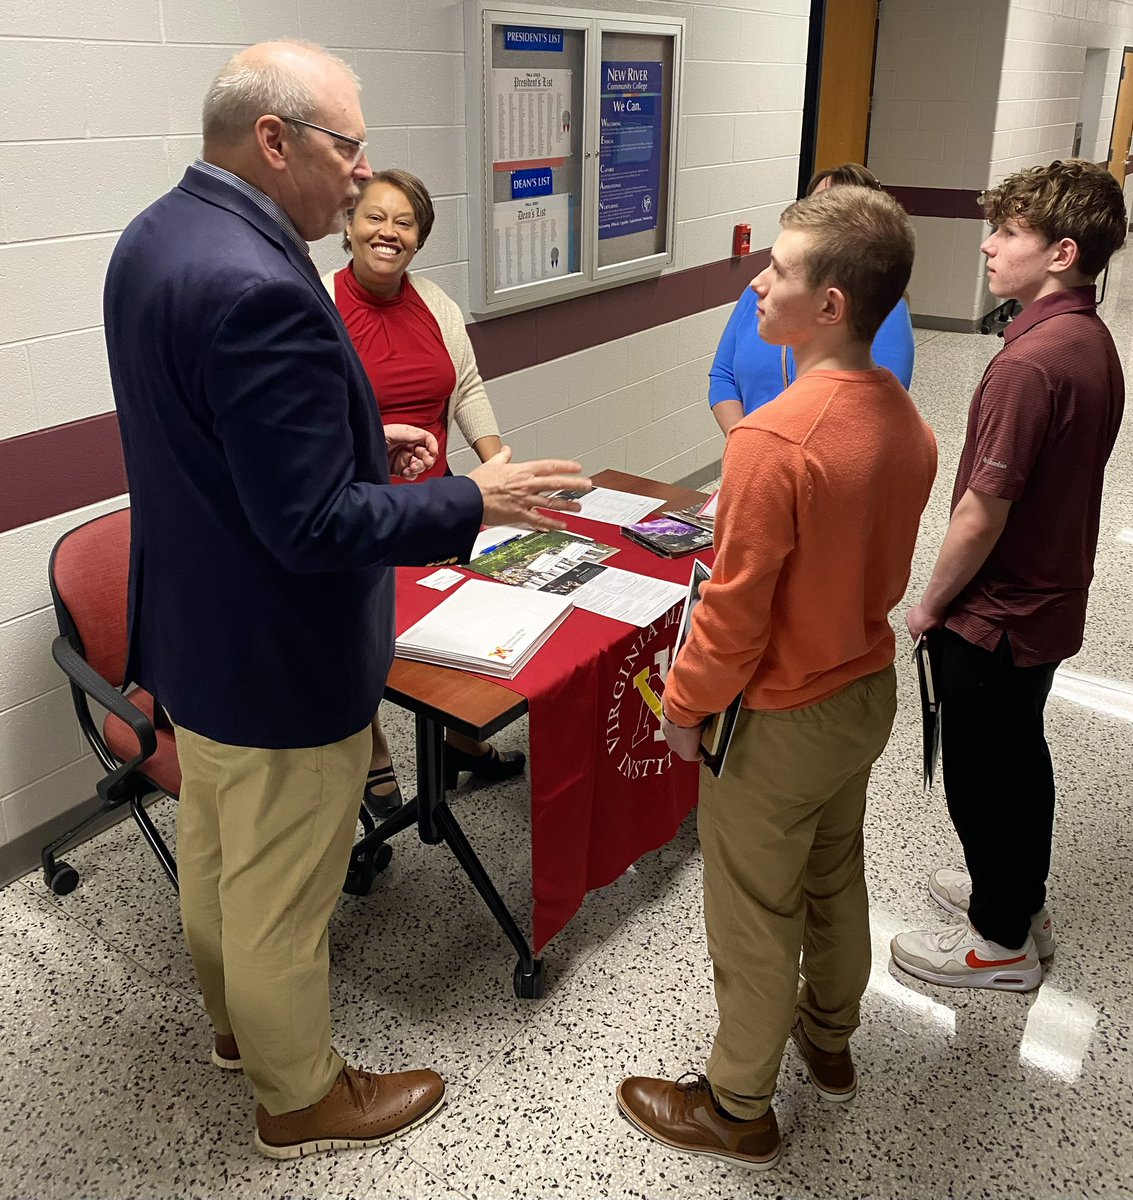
358	144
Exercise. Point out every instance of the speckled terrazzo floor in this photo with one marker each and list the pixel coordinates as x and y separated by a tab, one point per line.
106	1089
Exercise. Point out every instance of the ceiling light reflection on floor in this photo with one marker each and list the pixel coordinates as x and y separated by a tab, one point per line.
1058	1032
1113	697
883	928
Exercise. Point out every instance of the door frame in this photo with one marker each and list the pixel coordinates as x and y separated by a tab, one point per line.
1125	80
812	91
808	142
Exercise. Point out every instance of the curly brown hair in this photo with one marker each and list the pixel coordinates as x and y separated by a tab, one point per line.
1071	198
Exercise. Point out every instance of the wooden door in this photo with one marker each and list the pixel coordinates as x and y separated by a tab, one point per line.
849	39
1122	120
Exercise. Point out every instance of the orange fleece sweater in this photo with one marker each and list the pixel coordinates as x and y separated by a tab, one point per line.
822	493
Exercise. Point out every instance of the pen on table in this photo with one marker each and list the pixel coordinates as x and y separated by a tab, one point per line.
489	549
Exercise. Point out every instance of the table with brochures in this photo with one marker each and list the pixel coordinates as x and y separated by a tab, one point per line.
604	787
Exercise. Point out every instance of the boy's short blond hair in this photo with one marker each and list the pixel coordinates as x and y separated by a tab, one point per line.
1071	198
859	240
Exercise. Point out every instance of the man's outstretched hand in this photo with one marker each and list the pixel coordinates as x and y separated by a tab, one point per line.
516	493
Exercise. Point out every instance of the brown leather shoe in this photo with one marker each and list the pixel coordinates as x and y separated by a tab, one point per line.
683	1115
225	1052
832	1074
362	1109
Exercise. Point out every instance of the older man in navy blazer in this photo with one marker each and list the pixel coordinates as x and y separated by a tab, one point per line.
261	603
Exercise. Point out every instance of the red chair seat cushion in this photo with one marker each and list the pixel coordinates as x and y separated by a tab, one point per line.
162	768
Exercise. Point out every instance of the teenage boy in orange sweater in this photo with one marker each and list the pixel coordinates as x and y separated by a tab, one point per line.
821	496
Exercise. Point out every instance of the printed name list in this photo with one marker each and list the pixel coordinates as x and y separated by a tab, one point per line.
531	115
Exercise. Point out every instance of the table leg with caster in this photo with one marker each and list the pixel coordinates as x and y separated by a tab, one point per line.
436	823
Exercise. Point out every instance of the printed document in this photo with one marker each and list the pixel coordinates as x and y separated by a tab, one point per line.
615	508
627	596
530	239
531	114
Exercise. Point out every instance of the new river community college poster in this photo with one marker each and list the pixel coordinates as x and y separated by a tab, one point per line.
629	156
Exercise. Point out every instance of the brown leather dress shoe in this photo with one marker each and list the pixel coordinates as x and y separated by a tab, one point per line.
362	1109
832	1074
684	1116
225	1052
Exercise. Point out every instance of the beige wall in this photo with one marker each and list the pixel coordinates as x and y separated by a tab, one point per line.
101	108
968	92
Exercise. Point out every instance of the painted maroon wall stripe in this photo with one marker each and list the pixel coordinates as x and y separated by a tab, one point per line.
68	466
525	339
56	470
938	202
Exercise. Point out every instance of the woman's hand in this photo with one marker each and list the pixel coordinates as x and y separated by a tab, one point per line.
411	450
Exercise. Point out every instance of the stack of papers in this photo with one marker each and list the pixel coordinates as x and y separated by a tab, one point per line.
697	514
668	538
485	627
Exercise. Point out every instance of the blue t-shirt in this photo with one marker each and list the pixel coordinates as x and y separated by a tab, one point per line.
748	369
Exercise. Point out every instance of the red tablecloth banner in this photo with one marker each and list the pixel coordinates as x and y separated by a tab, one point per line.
604	787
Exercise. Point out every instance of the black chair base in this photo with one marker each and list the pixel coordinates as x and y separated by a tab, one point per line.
62	878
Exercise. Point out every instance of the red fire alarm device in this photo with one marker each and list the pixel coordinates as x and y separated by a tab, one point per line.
741	240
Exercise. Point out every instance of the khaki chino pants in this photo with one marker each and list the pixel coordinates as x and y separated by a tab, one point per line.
781	833
263	845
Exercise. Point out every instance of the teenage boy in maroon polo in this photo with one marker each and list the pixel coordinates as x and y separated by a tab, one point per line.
1007	597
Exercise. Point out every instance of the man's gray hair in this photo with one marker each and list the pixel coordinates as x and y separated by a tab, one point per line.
244	91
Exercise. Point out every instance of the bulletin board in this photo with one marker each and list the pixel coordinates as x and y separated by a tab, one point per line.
571	125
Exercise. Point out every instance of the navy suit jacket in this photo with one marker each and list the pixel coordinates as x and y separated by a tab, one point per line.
264	524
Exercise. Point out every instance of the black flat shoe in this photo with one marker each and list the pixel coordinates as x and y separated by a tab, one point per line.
492	766
385	804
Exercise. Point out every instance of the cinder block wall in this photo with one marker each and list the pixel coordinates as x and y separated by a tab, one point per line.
968	91
101	109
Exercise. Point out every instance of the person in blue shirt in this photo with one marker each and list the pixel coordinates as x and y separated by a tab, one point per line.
747	372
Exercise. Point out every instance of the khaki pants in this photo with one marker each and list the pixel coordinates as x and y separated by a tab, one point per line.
781	833
263	845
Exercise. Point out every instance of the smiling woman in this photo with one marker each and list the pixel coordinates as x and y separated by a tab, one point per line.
389	224
409	335
415	350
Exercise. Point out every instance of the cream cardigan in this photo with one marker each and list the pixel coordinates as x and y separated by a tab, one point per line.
468	405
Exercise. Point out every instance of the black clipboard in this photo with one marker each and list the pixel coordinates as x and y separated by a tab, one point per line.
716	733
926	654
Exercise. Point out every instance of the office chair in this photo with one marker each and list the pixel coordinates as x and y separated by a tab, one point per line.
88	572
136	746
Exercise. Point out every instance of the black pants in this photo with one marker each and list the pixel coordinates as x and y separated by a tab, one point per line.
998	780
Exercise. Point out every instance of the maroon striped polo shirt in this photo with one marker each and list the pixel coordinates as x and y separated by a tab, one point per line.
1040	430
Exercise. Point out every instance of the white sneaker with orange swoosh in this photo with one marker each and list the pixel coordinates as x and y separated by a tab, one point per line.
958	957
952	890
